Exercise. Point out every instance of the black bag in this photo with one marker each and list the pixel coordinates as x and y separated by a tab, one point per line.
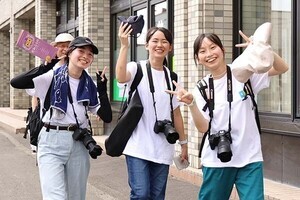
29	113
35	124
34	119
129	118
136	22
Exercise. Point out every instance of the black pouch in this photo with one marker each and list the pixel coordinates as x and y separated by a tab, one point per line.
136	22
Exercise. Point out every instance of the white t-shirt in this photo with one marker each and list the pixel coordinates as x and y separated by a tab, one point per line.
144	142
246	144
41	86
31	91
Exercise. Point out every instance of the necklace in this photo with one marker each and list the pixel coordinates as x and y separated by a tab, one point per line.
219	75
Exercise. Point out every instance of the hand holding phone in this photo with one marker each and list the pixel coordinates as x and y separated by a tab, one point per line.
180	164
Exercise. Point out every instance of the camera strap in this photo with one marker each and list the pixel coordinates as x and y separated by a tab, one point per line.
212	97
152	90
210	102
84	104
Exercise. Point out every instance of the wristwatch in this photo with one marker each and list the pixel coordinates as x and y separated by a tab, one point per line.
182	142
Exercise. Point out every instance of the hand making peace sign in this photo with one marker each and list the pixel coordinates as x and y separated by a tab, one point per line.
181	94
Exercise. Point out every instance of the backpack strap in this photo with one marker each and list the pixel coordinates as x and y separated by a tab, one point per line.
202	86
174	77
47	98
248	91
138	77
136	81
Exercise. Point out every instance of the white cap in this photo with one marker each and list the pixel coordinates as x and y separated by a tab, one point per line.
63	37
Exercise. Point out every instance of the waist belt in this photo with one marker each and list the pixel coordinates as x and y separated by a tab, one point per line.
71	127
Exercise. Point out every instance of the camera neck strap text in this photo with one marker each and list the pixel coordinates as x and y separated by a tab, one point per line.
152	90
211	101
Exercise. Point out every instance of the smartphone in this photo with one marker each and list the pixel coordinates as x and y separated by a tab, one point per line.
180	164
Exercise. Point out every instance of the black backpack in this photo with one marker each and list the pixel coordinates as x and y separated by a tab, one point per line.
34	121
35	124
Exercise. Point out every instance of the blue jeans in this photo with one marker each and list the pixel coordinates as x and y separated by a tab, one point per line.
218	182
147	180
64	166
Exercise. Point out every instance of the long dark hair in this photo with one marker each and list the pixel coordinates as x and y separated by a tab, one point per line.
198	43
166	32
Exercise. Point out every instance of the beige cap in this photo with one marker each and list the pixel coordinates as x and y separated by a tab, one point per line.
258	57
63	37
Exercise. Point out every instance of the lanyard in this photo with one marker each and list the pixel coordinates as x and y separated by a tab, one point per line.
152	90
212	96
85	104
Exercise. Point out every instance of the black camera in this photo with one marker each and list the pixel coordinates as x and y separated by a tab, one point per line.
222	140
166	127
84	135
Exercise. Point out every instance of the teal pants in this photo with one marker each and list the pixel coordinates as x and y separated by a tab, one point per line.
218	182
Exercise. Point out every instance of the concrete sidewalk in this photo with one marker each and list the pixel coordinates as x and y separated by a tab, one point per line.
273	190
14	122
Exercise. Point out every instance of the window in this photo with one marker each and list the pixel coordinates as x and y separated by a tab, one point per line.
72	9
67	16
141	53
161	15
155	12
276	98
117	93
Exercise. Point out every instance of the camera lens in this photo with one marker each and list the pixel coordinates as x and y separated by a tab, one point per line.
171	134
165	126
224	150
88	141
94	150
172	138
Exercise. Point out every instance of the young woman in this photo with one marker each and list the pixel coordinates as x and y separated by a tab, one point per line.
61	42
63	155
244	166
148	153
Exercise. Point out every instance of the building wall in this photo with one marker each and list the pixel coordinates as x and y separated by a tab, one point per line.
11	9
39	18
19	62
5	68
94	22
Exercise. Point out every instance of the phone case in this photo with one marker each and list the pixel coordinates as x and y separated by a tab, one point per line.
180	164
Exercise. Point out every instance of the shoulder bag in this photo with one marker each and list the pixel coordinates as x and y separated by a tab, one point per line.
130	116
